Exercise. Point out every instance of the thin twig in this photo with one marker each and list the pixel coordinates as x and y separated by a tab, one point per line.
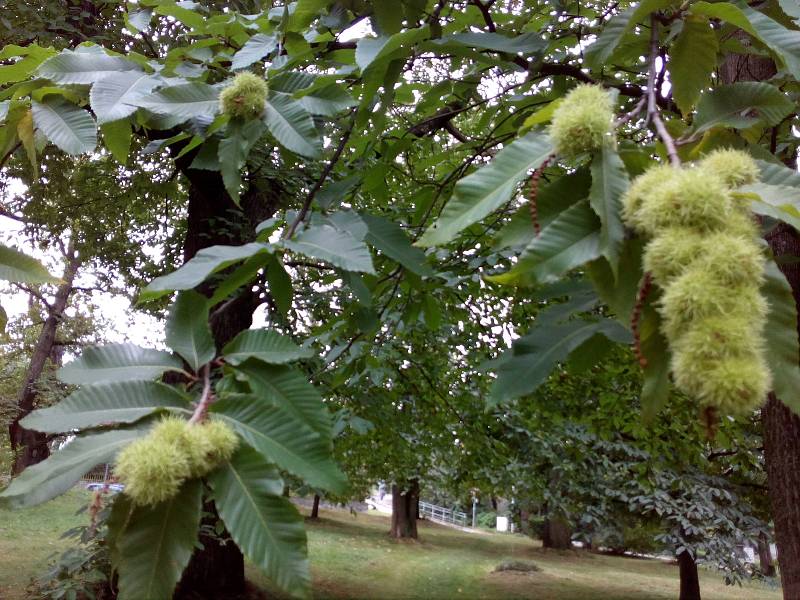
318	185
632	113
653	114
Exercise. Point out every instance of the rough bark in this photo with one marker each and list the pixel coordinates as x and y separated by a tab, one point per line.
782	443
557	533
690	581
217	571
405	503
30	447
315	507
765	557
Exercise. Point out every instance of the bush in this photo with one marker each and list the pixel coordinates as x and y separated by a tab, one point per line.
487	520
523	566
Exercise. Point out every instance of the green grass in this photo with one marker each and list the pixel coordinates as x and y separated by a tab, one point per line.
29	537
353	558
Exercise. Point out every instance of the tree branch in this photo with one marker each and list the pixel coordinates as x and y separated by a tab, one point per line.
653	113
318	185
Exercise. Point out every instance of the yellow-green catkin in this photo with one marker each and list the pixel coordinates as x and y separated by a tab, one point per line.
704	253
583	122
154	467
245	97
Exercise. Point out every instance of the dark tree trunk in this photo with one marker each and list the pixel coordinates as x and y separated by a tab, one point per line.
315	507
30	447
781	425
405	504
217	571
557	533
782	442
690	581
765	557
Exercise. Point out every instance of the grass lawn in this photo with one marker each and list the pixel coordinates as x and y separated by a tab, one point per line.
352	557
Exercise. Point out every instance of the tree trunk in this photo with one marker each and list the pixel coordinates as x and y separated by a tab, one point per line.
690	581
765	557
557	533
315	507
217	570
781	425
782	442
30	447
405	504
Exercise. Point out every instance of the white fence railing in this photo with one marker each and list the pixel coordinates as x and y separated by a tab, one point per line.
441	514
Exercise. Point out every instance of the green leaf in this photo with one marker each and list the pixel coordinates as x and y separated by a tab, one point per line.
3	320
572	239
254	49
783	353
138	20
551	201
83	67
536	354
157	543
372	50
692	61
26	137
281	439
488	188
786	213
725	11
785	43
391	240
656	385
184	101
117	136
333	245
265	345
526	43
54	476
741	105
187	329
280	285
195	271
328	101
265	525
288	389
292	126
600	52
306	11
543	115
70	128
619	292
104	404
115	96
190	18
778	174
31	57
243	274
389	16
21	268
240	137
117	362
609	182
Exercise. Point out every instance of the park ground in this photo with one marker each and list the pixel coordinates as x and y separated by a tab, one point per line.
353	558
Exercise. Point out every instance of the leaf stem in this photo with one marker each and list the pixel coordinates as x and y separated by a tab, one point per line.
206	398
